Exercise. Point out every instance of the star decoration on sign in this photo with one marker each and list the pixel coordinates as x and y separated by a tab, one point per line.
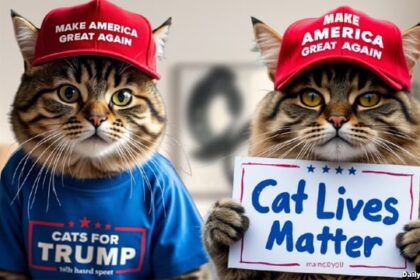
352	171
107	226
71	224
84	223
325	169
339	170
98	225
311	169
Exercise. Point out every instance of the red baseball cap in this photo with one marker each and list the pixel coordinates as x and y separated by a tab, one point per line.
343	35
97	28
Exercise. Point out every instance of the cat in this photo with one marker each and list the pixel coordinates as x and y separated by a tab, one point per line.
93	119
381	125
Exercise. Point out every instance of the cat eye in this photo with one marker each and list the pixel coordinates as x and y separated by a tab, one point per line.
122	97
311	98
369	99
68	93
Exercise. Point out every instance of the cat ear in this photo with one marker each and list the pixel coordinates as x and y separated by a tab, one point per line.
411	45
26	34
160	34
268	43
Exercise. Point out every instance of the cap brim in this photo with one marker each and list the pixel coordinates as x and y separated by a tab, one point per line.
342	59
44	59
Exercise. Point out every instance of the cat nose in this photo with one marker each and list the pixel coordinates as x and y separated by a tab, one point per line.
97	120
337	121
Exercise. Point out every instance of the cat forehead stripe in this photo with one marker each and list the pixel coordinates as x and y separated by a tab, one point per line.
343	35
97	28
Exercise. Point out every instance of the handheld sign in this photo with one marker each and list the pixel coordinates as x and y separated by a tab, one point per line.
324	217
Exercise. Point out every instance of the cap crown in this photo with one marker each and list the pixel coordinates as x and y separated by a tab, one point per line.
97	28
343	35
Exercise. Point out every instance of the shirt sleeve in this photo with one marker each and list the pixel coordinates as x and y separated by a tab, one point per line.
12	246
177	246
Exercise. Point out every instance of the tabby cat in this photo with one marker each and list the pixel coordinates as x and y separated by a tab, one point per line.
336	112
85	117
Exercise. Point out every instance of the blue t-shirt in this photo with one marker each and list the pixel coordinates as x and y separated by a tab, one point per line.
137	225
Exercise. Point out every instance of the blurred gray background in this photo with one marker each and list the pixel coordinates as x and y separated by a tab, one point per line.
211	81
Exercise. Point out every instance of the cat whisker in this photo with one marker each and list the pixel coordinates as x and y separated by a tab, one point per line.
306	151
376	156
402	136
303	150
121	151
135	149
49	166
181	149
366	153
20	145
68	160
152	161
25	158
177	147
292	148
49	162
64	146
144	176
33	192
411	155
262	141
70	146
265	152
279	146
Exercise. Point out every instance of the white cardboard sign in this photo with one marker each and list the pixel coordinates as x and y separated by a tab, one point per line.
324	217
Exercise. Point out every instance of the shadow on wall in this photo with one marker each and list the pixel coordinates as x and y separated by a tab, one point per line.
213	105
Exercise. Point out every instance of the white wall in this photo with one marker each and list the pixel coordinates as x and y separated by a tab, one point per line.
217	31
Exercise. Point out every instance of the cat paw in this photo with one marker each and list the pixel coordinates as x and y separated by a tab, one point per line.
226	223
409	243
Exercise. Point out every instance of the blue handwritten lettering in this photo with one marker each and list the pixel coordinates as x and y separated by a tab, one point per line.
257	192
278	234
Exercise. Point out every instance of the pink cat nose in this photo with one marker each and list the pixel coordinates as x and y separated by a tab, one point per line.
96	120
337	121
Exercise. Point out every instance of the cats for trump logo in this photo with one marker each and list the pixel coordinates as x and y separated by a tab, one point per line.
82	246
324	217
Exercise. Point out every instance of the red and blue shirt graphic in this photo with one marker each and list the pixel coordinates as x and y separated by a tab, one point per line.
137	225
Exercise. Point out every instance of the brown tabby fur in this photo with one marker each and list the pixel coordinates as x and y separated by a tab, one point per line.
284	127
37	109
53	132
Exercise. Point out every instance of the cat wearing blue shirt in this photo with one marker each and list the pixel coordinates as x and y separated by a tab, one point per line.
87	195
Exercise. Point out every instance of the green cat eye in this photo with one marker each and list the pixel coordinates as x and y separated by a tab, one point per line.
369	99
311	98
69	94
122	97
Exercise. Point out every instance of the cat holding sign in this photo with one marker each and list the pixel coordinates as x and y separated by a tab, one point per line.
341	93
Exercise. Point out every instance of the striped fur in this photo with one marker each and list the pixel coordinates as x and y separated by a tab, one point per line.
284	127
384	133
92	135
43	122
339	128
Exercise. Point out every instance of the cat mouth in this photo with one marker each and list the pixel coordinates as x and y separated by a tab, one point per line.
95	139
336	140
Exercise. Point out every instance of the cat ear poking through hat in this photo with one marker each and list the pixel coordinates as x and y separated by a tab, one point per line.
268	43
160	34
411	45
26	34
